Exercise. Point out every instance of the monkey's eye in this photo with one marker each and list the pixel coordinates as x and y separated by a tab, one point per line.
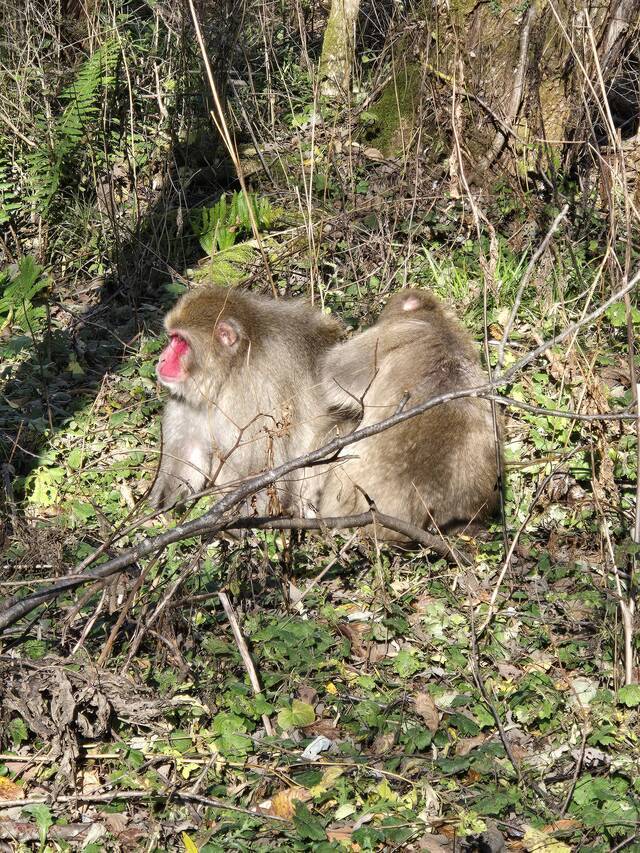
178	344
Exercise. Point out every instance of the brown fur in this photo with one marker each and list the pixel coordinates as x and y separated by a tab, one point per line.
438	468
245	407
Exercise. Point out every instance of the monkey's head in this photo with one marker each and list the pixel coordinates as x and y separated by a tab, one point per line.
410	303
208	333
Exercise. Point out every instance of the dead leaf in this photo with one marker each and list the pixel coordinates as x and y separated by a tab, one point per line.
373	154
537	840
566	824
116	822
325	728
426	708
282	803
616	374
9	790
308	694
509	671
465	745
342	833
363	649
434	844
383	743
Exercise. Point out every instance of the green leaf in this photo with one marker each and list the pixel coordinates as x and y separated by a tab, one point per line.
83	511
17	731
43	819
74	459
406	663
309	827
629	695
44	484
300	714
231	738
35	649
180	741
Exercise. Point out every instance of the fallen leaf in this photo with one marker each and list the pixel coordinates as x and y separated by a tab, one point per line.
329	778
566	824
465	745
426	708
537	840
360	648
342	835
308	694
282	803
323	728
508	670
9	790
383	743
434	843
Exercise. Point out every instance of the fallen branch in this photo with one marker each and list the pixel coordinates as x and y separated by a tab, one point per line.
415	534
135	796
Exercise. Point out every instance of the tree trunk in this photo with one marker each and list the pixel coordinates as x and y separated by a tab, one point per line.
338	50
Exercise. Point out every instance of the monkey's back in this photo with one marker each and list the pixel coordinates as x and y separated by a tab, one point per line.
440	467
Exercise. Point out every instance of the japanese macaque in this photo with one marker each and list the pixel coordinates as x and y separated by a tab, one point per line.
438	469
243	374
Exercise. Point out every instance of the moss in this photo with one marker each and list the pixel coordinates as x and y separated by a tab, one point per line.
395	110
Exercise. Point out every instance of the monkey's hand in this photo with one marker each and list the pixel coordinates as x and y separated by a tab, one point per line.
168	490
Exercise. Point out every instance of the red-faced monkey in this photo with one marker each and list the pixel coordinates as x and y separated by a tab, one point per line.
436	469
243	374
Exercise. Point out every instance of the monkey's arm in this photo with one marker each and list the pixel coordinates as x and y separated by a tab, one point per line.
348	371
186	455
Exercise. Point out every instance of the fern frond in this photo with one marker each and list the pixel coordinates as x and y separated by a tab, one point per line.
9	199
81	96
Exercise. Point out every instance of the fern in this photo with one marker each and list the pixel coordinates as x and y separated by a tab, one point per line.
18	291
219	227
81	99
9	199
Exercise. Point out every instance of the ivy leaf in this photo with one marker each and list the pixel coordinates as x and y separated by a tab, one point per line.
299	715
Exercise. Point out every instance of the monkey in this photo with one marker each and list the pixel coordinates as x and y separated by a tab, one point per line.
436	470
245	394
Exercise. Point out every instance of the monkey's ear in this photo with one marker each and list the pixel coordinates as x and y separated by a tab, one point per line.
411	303
227	332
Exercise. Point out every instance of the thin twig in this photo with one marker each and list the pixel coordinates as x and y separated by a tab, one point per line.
128	796
524	281
244	654
414	534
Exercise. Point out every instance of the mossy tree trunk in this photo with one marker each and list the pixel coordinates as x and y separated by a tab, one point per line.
540	89
338	50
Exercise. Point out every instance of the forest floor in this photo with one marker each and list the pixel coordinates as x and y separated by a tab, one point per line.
394	713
